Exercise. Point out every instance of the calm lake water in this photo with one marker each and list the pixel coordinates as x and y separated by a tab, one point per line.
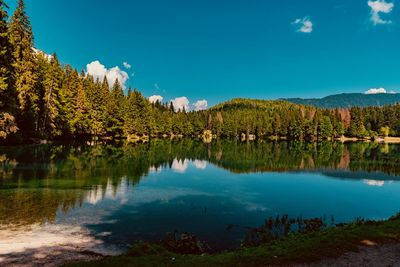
107	196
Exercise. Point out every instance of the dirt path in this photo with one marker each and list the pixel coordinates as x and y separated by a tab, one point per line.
374	256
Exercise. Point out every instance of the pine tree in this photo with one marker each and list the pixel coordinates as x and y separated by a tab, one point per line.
7	92
80	120
325	128
171	107
137	115
357	128
68	99
23	63
96	97
52	84
116	110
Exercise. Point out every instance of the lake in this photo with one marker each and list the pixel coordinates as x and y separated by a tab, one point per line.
104	197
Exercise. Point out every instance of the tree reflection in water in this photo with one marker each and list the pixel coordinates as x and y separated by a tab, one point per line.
68	174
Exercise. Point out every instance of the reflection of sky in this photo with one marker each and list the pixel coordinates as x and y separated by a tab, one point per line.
111	191
374	182
206	199
200	164
200	198
180	166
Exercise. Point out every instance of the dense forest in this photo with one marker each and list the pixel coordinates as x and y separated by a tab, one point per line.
40	98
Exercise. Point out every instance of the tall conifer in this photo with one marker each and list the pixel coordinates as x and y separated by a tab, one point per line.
52	84
7	93
23	62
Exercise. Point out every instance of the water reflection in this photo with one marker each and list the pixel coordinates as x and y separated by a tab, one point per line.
375	182
200	164
113	192
120	192
180	166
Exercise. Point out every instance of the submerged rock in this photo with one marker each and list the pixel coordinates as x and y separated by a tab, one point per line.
184	244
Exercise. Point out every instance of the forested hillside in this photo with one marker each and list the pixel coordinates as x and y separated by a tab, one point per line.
349	100
284	119
40	98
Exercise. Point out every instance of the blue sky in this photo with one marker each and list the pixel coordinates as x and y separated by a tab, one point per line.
218	50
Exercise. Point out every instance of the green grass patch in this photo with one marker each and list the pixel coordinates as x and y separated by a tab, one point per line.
296	248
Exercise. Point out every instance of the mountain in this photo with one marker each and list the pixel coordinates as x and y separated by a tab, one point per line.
349	100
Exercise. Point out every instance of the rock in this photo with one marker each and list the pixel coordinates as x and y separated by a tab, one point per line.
185	244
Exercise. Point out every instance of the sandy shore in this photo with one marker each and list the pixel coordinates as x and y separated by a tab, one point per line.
48	257
48	245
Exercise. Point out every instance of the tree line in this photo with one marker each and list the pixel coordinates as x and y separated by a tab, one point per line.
40	98
292	121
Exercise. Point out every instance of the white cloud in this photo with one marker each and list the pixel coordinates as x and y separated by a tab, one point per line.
374	91
155	98
200	105
127	65
377	7
304	25
117	73
180	166
381	90
98	71
38	51
180	103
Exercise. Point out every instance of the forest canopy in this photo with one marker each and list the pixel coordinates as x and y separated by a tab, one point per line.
41	98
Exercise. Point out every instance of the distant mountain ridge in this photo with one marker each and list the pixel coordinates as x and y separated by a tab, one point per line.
348	100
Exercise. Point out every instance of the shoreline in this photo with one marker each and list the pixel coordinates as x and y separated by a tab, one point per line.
48	245
51	257
93	140
384	140
348	244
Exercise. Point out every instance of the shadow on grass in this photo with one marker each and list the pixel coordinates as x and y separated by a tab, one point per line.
295	248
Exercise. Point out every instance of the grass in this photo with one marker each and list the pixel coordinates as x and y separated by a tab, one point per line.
296	248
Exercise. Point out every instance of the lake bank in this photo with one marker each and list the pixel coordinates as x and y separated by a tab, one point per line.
386	140
146	139
48	245
374	242
61	202
347	244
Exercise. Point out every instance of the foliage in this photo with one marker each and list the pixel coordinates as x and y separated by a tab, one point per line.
385	130
281	227
50	100
24	69
7	125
